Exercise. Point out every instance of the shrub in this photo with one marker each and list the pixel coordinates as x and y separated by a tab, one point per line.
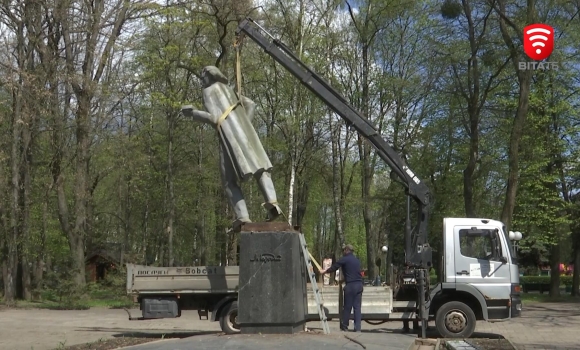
534	279
564	280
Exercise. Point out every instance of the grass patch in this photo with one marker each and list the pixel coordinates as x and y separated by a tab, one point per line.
50	305
545	298
93	296
111	303
109	344
76	305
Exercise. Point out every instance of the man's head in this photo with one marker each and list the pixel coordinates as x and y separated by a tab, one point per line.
347	248
212	74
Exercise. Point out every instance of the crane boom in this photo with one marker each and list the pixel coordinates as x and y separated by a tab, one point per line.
417	250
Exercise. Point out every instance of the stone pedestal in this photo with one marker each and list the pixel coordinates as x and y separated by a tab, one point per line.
272	285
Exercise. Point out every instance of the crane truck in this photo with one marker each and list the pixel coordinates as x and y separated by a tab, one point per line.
479	277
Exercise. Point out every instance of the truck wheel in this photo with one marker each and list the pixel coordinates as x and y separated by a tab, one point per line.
455	320
229	318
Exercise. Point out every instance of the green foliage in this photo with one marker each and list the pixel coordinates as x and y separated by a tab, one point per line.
546	298
61	293
542	211
151	169
564	280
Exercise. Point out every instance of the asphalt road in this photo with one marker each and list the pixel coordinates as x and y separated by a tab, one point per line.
373	338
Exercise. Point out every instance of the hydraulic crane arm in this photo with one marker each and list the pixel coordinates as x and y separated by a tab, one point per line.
417	250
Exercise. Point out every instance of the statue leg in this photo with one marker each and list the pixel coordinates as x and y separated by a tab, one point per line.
232	188
266	186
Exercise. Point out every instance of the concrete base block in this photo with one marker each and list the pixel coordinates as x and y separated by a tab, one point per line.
272	284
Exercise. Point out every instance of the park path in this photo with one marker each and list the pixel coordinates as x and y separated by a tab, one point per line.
554	326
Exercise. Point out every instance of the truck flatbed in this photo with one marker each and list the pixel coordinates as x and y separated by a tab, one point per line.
181	282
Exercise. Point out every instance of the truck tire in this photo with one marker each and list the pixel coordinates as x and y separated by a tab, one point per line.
229	318
455	320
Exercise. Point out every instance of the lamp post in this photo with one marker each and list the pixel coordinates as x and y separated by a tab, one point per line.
515	236
385	249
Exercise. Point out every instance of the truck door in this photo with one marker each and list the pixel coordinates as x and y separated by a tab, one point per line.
481	262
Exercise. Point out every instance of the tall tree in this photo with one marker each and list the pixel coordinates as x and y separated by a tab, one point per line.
474	82
89	32
510	29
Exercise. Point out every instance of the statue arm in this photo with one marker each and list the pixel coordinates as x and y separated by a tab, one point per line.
199	116
250	107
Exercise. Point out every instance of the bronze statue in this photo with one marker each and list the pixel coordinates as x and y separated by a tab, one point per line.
241	152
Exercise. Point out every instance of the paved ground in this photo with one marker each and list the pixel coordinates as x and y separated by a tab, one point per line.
336	340
543	326
553	326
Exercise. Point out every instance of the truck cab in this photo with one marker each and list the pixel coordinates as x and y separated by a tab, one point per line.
479	277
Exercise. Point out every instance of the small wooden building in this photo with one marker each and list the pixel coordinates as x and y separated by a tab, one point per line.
100	262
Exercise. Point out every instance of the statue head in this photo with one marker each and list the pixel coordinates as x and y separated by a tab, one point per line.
211	74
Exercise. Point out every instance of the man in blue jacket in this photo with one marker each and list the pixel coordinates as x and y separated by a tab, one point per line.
353	290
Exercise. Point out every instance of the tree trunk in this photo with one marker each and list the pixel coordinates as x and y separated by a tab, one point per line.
170	193
200	241
4	232
202	252
17	122
469	171
302	202
472	96
367	171
292	182
40	264
58	150
576	258
221	228
128	238
232	249
336	187
514	145
146	230
555	270
81	194
576	273
524	81
25	205
10	272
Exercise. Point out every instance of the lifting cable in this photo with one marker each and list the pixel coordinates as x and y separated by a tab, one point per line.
238	48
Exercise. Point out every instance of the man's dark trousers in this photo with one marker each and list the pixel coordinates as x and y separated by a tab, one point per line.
352	300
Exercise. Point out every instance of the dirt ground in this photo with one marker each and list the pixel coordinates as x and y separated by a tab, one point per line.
543	326
39	329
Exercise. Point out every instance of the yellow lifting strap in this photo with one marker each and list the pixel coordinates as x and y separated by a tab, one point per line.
317	266
315	262
225	114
